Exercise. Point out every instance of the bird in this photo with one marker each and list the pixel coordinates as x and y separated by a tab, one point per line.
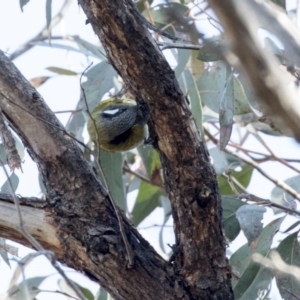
117	124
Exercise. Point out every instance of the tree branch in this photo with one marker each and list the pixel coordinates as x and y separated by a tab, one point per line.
259	66
190	179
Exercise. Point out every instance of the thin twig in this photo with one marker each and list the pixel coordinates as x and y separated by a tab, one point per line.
251	197
58	292
98	161
49	123
43	33
67	111
294	295
233	183
140	176
165	45
35	243
266	156
155	225
262	141
255	165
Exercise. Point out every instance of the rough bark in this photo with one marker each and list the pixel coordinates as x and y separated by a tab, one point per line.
79	208
279	103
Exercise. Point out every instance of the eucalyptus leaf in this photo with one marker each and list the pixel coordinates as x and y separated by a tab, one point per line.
61	71
98	52
281	197
226	111
11	182
252	276
17	292
101	294
190	88
182	59
211	51
48	14
58	46
211	88
3	253
243	177
150	159
76	122
147	200
289	250
250	217
231	224
219	158
112	164
23	3
99	81
274	48
163	14
293	226
68	290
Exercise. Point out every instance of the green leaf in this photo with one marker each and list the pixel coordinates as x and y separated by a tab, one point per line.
48	14
250	217
99	82
131	182
176	15
231	224
190	88
252	276
13	181
292	227
281	197
23	3
281	3
76	122
249	92
211	51
182	59
68	290
241	105
3	253
61	71
219	158
273	47
17	292
41	184
150	159
243	177
226	106
98	52
59	46
101	294
211	89
112	164
140	4
147	200
4	256
163	14
289	250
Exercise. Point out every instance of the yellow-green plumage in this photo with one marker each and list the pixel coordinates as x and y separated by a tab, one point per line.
119	124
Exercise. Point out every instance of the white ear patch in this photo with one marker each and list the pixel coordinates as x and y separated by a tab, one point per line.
112	111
